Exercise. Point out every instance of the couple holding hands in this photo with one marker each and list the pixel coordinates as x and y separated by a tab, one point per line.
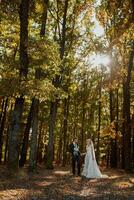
90	169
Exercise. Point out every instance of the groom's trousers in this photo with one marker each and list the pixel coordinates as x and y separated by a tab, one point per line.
76	162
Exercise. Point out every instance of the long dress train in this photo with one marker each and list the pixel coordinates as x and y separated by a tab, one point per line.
91	169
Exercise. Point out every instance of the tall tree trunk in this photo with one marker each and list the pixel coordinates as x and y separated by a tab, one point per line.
2	107
60	145
127	96
34	136
53	107
7	135
26	137
6	147
132	131
65	126
23	13
14	132
63	39
50	149
2	127
99	122
14	135
133	148
75	113
82	125
113	152
117	150
44	18
123	137
40	145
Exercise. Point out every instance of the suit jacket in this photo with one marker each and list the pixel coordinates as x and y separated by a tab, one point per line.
71	147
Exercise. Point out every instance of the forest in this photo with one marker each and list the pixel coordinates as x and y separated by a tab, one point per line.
61	77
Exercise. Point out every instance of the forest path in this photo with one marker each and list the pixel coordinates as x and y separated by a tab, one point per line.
59	184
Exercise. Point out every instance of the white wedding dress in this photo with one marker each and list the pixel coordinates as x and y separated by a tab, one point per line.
91	169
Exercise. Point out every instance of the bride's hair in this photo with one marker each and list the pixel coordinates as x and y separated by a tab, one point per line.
89	141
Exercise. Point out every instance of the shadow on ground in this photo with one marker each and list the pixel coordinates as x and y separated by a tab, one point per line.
59	184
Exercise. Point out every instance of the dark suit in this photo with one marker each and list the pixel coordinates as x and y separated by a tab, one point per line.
75	159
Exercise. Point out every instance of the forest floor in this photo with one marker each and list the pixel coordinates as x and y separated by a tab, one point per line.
59	184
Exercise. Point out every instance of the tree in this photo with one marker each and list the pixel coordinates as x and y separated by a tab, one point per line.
3	120
126	109
54	104
14	131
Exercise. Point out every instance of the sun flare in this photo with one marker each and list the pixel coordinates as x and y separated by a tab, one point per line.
99	59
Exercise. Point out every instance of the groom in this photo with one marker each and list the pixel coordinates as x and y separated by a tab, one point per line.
74	149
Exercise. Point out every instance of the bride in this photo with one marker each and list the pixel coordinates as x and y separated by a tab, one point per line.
91	169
